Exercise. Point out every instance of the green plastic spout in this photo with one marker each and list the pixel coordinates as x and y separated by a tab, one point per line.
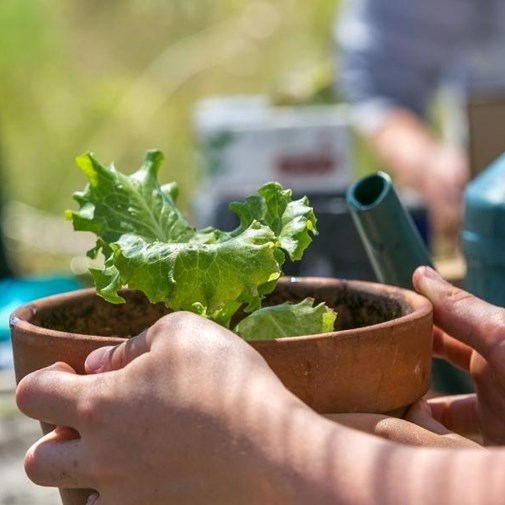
395	249
392	241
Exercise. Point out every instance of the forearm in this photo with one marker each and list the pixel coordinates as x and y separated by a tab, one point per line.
404	144
316	461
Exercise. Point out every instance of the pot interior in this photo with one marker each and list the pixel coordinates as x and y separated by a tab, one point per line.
91	315
357	305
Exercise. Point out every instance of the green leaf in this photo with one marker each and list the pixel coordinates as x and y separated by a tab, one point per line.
287	320
149	245
213	279
113	204
291	221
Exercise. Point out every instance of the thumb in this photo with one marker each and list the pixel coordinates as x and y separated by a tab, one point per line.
420	413
462	315
108	358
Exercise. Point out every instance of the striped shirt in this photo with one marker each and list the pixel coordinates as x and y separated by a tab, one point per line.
399	52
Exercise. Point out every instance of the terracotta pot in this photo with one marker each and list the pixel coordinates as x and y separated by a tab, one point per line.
378	359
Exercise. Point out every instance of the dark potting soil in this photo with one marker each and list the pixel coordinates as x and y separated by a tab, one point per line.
355	309
95	316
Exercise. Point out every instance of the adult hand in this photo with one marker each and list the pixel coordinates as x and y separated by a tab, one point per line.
187	416
438	171
470	334
417	428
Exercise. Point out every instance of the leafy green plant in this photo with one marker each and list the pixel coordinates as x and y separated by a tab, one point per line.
149	245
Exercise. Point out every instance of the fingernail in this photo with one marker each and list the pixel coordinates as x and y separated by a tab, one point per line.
430	273
97	359
92	499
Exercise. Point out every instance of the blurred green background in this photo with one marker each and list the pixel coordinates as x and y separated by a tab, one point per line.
121	76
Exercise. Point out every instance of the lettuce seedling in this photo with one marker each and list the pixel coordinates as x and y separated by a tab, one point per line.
147	244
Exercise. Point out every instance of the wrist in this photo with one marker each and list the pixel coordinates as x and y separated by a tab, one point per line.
310	459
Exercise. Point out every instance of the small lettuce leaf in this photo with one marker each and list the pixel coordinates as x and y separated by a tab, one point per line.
148	244
291	221
287	320
113	204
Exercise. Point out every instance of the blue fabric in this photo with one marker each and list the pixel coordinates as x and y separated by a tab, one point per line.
15	292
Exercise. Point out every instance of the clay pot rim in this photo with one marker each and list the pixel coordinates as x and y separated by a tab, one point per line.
418	304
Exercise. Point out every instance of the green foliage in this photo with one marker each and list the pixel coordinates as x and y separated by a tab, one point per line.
287	320
149	245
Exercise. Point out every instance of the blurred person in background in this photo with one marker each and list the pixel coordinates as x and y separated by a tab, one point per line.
393	56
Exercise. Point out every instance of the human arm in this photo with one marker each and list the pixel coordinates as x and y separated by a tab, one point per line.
419	160
390	58
192	414
470	334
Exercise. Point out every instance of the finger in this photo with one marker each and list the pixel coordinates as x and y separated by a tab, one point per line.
457	413
420	413
57	460
50	394
491	406
110	358
165	329
451	350
463	316
362	422
399	430
93	499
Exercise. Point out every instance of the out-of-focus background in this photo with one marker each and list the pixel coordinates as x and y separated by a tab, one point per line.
119	77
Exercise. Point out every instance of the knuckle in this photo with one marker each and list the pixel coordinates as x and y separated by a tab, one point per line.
90	410
181	317
496	325
174	323
25	391
492	330
23	394
39	468
174	318
456	296
32	468
497	355
31	386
